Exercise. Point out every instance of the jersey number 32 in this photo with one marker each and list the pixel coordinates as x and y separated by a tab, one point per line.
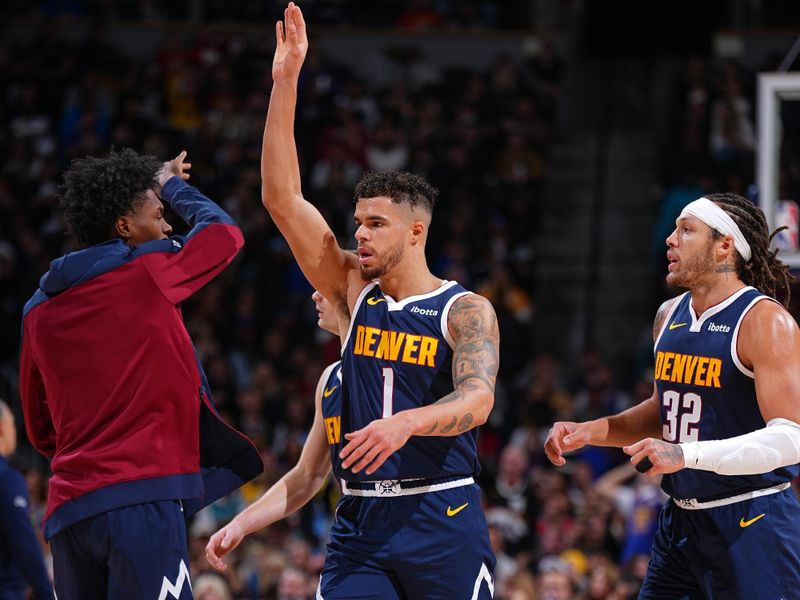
682	416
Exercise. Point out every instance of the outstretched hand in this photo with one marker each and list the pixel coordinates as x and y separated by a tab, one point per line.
563	437
173	168
222	542
291	44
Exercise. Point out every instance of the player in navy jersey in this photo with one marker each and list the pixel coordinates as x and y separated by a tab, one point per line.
298	486
419	363
722	423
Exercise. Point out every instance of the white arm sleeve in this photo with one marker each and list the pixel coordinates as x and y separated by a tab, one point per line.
760	451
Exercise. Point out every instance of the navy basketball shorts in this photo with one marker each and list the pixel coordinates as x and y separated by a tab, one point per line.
137	552
429	546
748	549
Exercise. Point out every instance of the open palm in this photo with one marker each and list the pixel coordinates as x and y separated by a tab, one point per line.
291	44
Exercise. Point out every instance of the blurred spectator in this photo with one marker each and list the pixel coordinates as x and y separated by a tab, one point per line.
555	579
21	566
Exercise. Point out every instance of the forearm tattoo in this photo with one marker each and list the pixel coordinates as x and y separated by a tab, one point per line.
447	428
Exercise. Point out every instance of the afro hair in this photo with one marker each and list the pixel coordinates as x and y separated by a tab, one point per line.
97	191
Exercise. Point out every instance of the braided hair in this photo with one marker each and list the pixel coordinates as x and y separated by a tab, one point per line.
764	271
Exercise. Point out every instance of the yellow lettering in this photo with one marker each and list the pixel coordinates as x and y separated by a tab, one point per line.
358	348
396	343
688	369
714	370
668	356
412	345
677	368
427	351
333	429
700	375
383	346
659	363
691	364
369	340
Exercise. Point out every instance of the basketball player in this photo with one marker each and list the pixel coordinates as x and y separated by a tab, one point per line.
722	424
419	363
112	390
298	486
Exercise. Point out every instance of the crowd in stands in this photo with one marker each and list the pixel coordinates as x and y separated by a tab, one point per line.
482	138
407	15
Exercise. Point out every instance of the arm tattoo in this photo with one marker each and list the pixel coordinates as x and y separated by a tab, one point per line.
661	315
670	454
432	429
466	423
448	427
476	357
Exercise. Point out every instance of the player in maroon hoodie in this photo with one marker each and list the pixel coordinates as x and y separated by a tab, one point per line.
111	386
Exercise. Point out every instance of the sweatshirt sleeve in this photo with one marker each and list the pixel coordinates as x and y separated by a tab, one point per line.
38	423
182	265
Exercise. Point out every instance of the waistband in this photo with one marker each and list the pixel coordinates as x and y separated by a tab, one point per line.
694	504
389	488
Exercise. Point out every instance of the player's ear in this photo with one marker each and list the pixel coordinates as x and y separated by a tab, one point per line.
726	247
418	231
122	228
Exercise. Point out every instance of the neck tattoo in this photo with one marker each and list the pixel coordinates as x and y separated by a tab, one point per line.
726	268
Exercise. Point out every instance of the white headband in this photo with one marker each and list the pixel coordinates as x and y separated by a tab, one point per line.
716	218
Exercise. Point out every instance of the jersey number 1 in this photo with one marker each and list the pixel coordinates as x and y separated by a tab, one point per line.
682	416
388	391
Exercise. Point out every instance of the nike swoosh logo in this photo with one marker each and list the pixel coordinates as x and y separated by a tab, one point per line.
676	325
328	392
744	523
452	512
374	301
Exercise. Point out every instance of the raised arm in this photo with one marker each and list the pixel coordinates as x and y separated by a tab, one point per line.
476	359
181	265
288	494
313	244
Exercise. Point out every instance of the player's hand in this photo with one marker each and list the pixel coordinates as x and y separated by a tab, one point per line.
291	44
369	447
566	436
173	168
222	542
665	457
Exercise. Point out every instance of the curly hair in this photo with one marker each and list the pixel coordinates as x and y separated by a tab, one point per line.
400	186
97	191
764	271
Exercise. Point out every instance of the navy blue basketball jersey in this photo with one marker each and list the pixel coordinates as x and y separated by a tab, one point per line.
707	393
332	407
398	356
